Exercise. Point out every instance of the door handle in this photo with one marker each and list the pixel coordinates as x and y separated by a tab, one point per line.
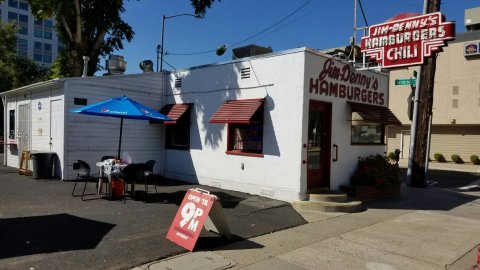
336	152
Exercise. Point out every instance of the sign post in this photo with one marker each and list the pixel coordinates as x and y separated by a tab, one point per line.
410	41
196	207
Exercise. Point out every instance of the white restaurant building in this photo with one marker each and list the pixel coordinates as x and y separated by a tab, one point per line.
275	124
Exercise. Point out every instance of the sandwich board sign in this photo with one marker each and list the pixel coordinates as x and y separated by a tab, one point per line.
198	208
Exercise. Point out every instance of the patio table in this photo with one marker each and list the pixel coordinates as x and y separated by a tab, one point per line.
106	172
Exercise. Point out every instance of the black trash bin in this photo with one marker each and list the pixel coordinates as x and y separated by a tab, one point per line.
42	165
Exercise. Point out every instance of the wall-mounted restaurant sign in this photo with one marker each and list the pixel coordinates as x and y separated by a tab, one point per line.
408	40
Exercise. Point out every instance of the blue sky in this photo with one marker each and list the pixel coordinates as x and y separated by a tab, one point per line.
319	24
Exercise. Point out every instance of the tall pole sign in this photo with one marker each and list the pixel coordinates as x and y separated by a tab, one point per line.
410	41
407	41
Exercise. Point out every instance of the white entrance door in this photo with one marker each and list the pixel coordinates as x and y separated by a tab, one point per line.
56	127
23	130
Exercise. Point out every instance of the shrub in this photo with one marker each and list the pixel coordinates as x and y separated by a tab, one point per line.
457	159
475	160
375	170
439	157
391	155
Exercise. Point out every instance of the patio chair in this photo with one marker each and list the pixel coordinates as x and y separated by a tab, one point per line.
149	174
134	173
82	175
102	178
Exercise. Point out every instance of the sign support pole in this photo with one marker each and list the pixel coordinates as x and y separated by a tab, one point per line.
413	127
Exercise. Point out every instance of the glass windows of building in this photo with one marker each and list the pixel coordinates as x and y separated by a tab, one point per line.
12	16
23	24
22	47
13	3
48	35
48	24
23	5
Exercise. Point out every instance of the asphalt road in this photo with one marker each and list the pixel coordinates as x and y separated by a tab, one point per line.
43	227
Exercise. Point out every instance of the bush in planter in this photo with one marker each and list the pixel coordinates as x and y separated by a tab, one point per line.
439	157
475	160
391	155
375	170
457	159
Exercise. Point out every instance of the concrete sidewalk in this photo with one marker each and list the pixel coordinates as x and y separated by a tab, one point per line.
421	229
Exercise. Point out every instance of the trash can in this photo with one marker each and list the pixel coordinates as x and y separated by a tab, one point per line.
42	165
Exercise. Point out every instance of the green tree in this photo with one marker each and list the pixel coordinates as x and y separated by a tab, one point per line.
15	71
89	28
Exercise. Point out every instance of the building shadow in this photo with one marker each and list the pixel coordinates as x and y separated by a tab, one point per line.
48	234
442	192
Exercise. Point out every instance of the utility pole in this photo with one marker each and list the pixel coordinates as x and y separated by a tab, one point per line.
425	103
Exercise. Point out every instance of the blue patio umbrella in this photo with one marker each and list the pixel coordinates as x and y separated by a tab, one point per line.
122	107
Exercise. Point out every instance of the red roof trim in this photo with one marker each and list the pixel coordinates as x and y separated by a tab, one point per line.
175	111
375	114
238	111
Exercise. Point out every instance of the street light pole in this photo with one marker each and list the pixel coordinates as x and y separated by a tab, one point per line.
162	51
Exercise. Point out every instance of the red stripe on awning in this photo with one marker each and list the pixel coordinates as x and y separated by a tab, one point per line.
175	111
375	114
239	112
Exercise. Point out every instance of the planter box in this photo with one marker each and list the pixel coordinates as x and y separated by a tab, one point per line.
370	193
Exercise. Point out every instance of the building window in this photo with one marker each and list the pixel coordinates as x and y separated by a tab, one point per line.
47	35
455	90
22	47
11	126
178	136
12	16
455	103
177	130
37	57
245	138
48	24
47	59
13	3
245	125
367	133
23	5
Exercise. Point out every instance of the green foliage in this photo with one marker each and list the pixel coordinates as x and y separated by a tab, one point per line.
475	160
87	28
201	6
15	71
457	159
375	170
391	155
439	157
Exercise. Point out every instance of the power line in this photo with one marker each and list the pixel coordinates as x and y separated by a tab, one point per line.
251	37
363	12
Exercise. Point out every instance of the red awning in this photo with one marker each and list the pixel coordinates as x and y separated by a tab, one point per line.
240	112
175	111
375	114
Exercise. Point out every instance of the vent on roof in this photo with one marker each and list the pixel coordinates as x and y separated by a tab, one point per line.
178	83
245	73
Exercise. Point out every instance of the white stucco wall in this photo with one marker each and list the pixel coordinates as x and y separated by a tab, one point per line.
279	81
348	154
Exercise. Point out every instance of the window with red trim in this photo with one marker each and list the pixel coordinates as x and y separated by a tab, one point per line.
245	125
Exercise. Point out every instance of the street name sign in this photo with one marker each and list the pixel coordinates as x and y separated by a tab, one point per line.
406	82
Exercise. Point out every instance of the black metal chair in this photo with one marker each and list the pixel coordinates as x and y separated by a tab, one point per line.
149	174
82	175
134	173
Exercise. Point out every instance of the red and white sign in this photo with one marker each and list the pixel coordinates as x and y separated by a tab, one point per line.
190	217
407	41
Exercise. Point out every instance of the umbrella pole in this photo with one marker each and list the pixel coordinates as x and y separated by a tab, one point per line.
120	140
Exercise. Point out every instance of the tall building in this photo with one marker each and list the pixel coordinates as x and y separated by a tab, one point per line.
37	39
